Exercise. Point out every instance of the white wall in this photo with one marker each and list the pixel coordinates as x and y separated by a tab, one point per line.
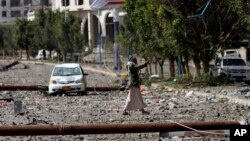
74	6
22	8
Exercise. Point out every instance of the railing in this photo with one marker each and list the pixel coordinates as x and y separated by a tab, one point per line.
25	130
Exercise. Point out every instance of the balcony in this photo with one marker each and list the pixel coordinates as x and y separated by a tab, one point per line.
106	4
76	5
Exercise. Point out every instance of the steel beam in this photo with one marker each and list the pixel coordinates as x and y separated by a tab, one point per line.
112	88
23	88
9	87
25	130
11	64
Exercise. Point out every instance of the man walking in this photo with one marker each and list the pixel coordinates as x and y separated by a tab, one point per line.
134	100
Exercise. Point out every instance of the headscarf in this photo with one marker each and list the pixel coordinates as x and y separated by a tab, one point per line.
130	57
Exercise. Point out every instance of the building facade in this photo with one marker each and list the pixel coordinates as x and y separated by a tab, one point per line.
100	22
10	10
100	18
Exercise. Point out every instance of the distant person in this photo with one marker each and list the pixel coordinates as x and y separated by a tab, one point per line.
44	54
134	100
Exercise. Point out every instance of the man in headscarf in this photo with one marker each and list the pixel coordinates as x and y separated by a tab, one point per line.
134	100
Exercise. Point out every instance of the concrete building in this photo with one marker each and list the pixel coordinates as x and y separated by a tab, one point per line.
100	18
100	22
10	10
107	16
104	16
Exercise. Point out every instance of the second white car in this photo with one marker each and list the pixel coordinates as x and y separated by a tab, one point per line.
68	78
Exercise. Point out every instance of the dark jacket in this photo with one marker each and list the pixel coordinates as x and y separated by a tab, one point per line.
133	74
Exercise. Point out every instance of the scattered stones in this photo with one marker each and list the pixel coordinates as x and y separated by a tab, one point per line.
210	96
155	86
189	94
170	104
247	94
223	91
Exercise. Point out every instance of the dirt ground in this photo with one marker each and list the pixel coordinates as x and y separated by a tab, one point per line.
165	104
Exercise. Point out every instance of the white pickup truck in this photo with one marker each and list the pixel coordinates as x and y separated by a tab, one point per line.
232	66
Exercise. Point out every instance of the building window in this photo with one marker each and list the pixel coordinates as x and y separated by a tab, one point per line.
3	3
27	2
45	2
15	13
25	12
4	14
14	3
80	2
65	2
248	54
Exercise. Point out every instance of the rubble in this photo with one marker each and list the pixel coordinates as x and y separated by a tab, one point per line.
106	107
189	94
10	65
210	96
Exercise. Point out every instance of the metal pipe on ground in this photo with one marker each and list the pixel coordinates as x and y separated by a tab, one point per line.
23	87
45	88
112	88
6	67
25	130
11	64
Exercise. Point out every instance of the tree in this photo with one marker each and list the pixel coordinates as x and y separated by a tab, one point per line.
54	32
223	22
25	33
144	35
174	28
2	40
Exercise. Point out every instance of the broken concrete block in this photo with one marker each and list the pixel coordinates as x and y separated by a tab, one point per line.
247	95
18	107
189	94
210	96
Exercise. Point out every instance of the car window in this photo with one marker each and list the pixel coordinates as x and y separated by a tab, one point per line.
82	70
234	62
66	71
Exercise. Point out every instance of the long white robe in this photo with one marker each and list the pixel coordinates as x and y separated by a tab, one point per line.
134	100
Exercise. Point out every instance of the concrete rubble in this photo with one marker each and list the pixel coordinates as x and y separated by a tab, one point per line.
164	103
5	67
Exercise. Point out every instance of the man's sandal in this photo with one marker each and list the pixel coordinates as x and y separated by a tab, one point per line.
125	113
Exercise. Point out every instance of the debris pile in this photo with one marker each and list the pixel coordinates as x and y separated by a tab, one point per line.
6	67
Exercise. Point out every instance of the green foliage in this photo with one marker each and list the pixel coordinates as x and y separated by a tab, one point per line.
223	79
7	37
208	80
145	80
50	31
144	30
162	29
25	32
1	36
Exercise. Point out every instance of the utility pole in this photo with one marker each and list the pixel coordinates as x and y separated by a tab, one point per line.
42	2
116	47
100	38
65	10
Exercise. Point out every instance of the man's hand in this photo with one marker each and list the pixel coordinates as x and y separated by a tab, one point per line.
122	88
126	88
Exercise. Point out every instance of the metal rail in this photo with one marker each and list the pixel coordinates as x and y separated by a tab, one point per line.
6	67
112	88
9	87
23	87
25	130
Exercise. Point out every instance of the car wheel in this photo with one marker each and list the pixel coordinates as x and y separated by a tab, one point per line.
50	94
247	82
82	93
